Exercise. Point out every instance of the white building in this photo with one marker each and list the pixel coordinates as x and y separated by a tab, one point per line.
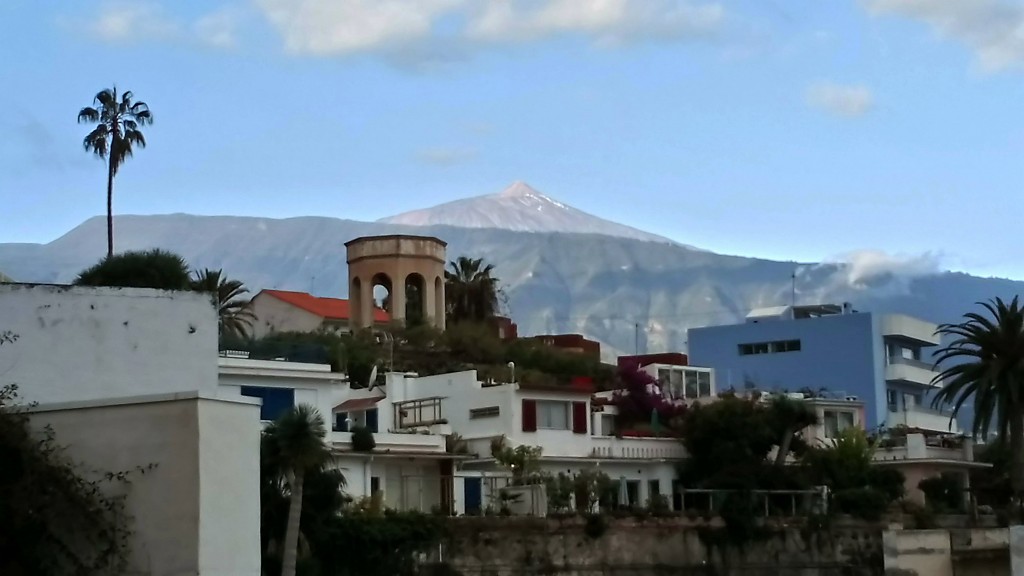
409	466
128	378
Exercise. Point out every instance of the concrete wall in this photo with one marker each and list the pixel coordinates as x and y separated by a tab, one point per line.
84	344
918	552
842	353
197	511
276	315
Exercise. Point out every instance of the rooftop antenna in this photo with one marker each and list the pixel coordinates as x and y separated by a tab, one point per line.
793	292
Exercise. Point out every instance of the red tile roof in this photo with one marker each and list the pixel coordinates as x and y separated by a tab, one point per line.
327	308
357	404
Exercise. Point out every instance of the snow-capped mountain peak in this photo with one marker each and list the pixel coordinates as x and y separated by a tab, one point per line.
519	207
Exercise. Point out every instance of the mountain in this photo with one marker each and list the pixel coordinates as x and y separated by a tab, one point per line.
521	208
626	293
5	278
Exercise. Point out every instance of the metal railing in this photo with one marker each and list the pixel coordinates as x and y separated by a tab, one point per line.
766	503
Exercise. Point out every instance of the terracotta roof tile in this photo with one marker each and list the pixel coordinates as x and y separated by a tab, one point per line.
327	308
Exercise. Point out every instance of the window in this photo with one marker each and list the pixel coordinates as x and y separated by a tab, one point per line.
276	401
607	425
374	484
836	421
890	398
691	383
485	412
552	415
773	347
663	377
653	490
704	384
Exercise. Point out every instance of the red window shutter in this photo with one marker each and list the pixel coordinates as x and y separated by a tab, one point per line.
529	415
579	417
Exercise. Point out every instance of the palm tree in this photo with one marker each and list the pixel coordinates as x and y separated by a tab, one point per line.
990	349
471	293
114	138
294	445
235	316
788	417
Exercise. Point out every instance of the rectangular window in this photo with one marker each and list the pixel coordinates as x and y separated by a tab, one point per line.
607	425
774	347
485	412
552	415
704	384
371	420
374	484
276	401
341	422
653	489
786	346
891	399
691	383
837	421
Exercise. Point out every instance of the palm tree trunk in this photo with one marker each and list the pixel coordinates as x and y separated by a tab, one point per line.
1017	457
291	534
110	206
787	440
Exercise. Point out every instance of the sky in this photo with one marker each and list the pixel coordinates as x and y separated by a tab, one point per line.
884	132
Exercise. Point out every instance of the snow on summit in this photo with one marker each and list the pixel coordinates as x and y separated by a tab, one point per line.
522	208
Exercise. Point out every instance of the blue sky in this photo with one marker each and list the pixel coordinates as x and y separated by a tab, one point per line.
790	129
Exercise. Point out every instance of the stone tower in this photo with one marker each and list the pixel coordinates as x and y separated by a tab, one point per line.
410	267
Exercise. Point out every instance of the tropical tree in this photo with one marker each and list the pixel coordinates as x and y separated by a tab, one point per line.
114	138
232	308
149	269
294	445
788	417
989	349
471	292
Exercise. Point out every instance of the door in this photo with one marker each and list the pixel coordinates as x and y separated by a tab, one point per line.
473	496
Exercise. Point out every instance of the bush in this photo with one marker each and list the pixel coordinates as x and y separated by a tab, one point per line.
864	503
595	526
889	481
942	493
150	269
362	439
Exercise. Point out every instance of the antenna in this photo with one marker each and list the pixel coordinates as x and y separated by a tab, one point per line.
636	339
793	293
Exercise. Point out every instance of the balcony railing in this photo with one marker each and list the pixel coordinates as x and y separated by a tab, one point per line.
911	371
920	447
912	362
637	448
922	418
394	441
421	412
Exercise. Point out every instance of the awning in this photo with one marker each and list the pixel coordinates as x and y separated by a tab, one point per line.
357	404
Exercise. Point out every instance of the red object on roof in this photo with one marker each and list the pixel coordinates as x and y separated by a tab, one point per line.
327	308
357	404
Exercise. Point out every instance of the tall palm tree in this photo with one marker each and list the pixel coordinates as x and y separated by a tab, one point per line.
990	351
295	445
471	293
233	310
114	138
788	417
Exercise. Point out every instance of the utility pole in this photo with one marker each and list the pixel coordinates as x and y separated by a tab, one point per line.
793	293
636	339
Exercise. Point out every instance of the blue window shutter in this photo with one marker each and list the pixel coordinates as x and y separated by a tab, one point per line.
371	420
276	401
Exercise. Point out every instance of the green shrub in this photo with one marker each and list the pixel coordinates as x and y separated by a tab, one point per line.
149	269
362	439
865	503
595	526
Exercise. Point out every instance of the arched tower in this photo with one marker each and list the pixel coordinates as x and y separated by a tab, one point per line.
411	268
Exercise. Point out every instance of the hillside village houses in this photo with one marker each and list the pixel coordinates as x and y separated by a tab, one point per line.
150	387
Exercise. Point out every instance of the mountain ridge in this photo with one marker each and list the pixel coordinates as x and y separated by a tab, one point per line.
600	286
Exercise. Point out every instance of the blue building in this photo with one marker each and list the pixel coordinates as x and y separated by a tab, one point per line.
881	359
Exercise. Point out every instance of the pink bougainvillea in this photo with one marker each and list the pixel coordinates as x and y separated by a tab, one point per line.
640	397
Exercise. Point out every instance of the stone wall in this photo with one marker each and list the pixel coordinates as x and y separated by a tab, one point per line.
677	546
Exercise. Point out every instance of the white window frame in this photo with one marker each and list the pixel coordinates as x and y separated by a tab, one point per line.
548	408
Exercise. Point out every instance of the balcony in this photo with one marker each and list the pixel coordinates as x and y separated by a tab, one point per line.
922	419
637	448
906	328
909	371
920	447
393	442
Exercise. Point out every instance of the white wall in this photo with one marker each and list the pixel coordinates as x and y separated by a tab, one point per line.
82	344
276	315
461	392
197	512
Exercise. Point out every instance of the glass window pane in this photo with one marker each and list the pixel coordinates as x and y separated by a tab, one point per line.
704	383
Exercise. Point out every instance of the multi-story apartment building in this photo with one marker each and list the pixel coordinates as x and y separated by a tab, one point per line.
880	359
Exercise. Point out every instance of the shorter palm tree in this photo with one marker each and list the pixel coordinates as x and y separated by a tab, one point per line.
294	445
232	308
990	370
788	417
471	292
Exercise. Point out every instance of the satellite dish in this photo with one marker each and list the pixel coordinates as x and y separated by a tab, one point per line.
373	378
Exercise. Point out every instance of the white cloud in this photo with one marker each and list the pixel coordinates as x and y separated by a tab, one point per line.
132	21
445	156
606	21
866	268
121	22
992	29
341	27
218	29
841	100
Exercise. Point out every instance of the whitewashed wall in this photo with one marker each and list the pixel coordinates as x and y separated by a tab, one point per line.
83	344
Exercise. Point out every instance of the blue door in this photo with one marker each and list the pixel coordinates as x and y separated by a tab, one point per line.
473	496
